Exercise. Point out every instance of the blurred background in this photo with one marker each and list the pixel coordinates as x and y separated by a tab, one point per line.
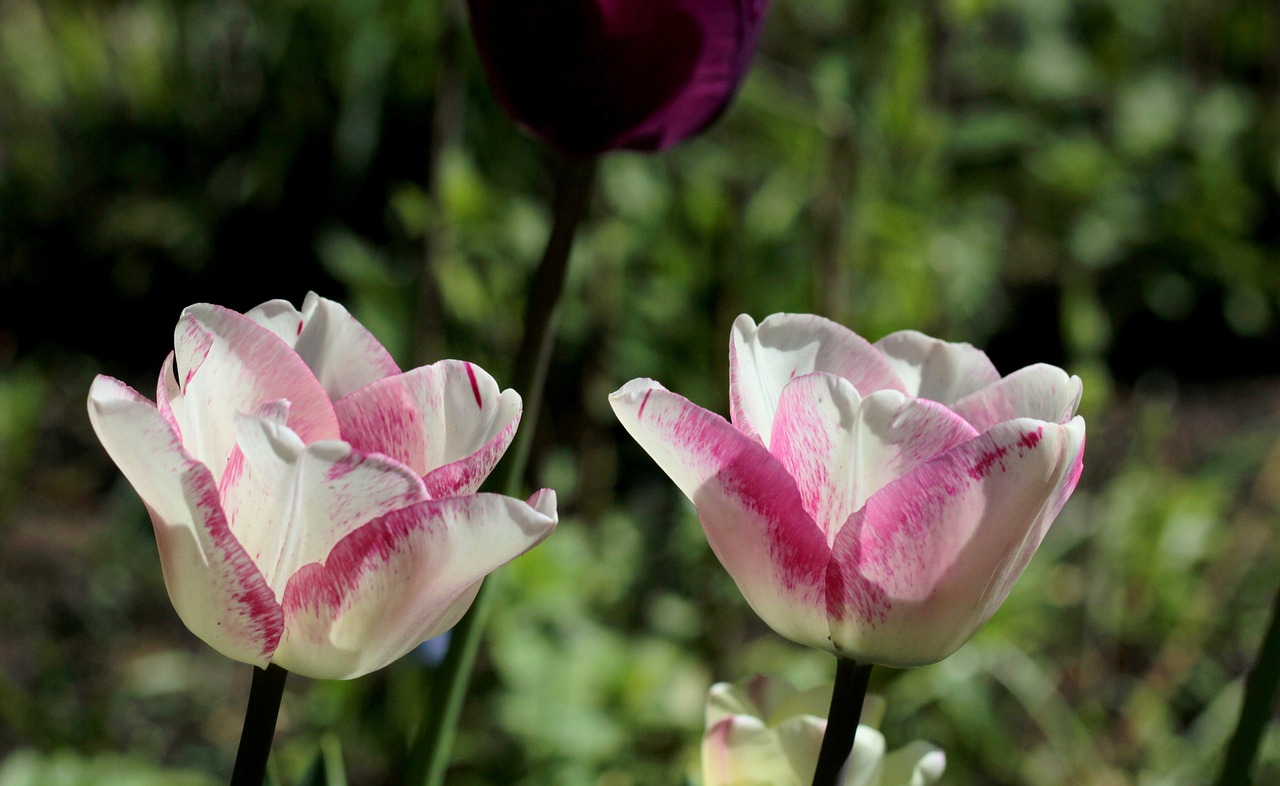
1092	183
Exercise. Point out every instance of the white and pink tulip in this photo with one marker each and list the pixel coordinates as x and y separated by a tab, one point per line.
314	506
875	500
765	732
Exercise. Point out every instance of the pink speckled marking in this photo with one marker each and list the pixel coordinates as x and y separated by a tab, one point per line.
231	475
475	386
988	460
1031	439
643	403
384	417
340	469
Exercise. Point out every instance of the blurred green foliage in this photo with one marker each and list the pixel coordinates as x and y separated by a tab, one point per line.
1094	183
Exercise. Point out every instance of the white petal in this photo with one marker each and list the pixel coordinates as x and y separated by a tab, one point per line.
1039	392
214	586
842	448
764	359
800	739
340	351
402	579
749	506
289	503
866	761
934	369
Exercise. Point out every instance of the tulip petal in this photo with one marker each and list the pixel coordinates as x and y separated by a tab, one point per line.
726	698
800	738
213	584
866	760
402	579
1040	392
448	422
594	76
740	750
289	503
841	448
228	364
342	354
915	764
749	506
730	30
932	555
763	360
169	395
938	370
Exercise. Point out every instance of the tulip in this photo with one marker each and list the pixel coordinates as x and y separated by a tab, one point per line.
874	500
765	733
315	507
588	76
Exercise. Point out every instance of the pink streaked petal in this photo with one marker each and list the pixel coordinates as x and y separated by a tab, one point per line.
749	506
340	351
169	396
932	555
402	579
465	475
448	421
841	448
228	364
289	503
214	586
764	359
937	370
1040	392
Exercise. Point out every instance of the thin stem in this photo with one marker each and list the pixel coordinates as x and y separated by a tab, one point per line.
842	720
1255	711
573	193
429	754
259	726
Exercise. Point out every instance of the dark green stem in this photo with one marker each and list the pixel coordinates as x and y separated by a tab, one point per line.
433	745
1255	711
259	726
847	696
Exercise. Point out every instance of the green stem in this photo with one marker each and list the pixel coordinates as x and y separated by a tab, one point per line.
1255	711
433	745
847	696
259	726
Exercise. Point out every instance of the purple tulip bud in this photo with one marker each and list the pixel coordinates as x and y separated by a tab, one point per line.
589	76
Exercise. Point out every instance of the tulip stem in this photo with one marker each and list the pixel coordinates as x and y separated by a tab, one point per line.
432	746
259	726
1255	711
847	696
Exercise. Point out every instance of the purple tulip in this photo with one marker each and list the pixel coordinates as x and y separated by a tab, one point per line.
589	76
